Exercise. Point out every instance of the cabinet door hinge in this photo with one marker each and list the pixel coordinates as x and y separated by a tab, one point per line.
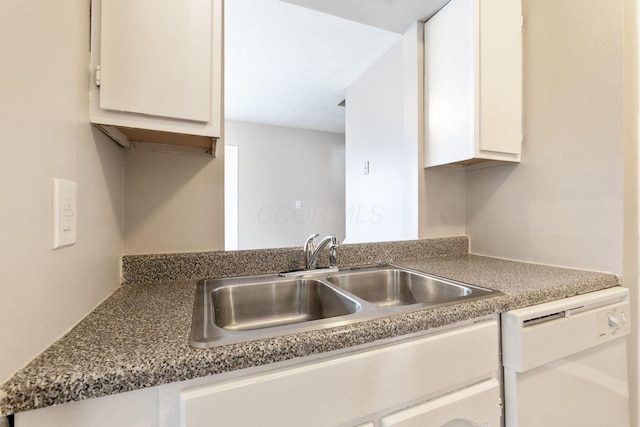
97	77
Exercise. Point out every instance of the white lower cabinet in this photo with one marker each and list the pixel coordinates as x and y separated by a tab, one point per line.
445	377
363	387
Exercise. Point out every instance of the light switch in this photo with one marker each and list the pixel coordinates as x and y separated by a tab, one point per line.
67	224
65	205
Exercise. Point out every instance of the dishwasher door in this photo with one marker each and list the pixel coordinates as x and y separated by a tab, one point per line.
565	362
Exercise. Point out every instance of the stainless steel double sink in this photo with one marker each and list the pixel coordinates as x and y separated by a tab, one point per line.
240	309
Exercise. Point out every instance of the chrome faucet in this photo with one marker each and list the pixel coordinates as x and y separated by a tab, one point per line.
311	252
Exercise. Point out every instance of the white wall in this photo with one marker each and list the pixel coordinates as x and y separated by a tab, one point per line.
173	202
374	133
631	275
279	166
563	204
442	201
45	133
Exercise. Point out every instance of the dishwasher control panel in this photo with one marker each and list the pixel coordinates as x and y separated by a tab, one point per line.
613	321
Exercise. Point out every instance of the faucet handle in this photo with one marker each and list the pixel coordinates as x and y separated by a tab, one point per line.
333	255
313	236
308	244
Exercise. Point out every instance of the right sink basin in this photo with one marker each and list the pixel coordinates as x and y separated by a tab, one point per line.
392	286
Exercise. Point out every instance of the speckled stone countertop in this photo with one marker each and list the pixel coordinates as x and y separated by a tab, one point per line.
139	337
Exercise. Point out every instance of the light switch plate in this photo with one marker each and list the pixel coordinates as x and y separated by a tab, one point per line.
65	212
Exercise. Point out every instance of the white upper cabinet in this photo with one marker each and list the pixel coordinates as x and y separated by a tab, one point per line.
157	70
473	82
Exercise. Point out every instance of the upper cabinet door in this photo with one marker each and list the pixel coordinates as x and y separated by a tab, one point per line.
450	83
473	82
156	57
500	67
157	70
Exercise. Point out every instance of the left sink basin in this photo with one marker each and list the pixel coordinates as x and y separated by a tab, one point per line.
265	305
240	309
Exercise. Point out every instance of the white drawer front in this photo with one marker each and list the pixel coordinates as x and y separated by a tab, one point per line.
475	406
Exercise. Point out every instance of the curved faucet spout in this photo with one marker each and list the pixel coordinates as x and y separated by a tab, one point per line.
310	262
309	249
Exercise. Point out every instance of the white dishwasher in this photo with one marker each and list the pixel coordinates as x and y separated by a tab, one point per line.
565	362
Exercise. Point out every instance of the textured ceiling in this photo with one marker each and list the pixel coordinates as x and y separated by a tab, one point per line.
286	65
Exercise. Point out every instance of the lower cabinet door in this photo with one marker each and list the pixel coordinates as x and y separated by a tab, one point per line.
356	386
475	406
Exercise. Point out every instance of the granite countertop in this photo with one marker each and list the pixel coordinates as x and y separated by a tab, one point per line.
139	337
